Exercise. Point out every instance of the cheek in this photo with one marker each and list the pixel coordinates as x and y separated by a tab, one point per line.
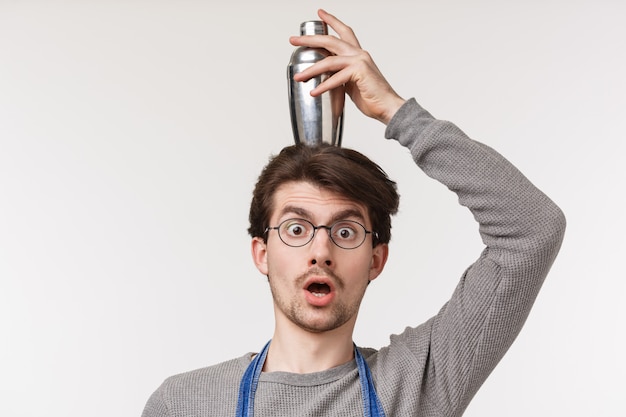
357	267
282	260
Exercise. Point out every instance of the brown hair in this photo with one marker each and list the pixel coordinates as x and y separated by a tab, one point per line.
340	170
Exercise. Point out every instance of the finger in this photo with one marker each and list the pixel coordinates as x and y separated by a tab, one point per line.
338	79
360	63
330	64
330	43
344	31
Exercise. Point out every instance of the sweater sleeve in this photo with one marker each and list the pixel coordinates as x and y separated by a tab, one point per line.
156	406
522	231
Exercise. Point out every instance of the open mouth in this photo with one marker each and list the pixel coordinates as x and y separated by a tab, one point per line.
319	289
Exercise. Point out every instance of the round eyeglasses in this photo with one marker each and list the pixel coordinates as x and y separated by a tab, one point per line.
347	234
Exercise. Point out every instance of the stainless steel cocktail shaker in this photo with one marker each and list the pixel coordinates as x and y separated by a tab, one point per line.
314	120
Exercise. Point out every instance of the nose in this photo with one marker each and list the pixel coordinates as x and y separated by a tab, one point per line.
321	248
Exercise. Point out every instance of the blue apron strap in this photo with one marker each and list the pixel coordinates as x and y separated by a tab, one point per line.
250	380
371	404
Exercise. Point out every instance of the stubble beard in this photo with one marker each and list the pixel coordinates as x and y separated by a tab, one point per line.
311	318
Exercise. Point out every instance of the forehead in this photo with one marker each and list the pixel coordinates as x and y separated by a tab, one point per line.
314	203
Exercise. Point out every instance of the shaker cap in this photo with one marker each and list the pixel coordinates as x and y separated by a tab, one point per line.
313	27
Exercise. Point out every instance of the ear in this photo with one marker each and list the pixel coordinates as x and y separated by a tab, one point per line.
259	254
380	253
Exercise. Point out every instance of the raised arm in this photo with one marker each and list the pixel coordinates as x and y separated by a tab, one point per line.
522	230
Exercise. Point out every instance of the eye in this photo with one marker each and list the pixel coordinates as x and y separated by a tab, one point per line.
345	231
295	228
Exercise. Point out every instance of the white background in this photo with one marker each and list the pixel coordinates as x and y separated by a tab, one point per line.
131	134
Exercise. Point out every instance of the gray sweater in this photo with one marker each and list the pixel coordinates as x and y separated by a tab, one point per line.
436	368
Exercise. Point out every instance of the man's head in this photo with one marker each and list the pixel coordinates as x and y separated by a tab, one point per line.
340	170
312	212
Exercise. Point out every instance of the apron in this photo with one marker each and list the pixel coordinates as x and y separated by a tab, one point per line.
250	380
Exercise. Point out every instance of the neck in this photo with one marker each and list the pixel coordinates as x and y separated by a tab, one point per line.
299	351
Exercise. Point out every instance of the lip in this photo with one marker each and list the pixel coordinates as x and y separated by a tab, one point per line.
319	301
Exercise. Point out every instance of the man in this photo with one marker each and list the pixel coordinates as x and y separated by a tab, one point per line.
320	224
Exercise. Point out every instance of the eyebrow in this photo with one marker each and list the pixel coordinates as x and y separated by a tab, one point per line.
340	215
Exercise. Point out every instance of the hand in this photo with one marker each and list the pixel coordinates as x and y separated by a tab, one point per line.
351	66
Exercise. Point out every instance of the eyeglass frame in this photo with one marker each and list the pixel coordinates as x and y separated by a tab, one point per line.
321	226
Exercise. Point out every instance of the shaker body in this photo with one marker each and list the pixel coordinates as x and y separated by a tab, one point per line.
314	120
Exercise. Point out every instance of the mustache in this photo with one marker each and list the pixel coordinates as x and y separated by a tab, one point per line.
317	271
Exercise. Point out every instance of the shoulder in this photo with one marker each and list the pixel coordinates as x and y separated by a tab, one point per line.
413	344
220	374
212	390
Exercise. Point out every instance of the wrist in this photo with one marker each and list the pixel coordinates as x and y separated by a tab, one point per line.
391	108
